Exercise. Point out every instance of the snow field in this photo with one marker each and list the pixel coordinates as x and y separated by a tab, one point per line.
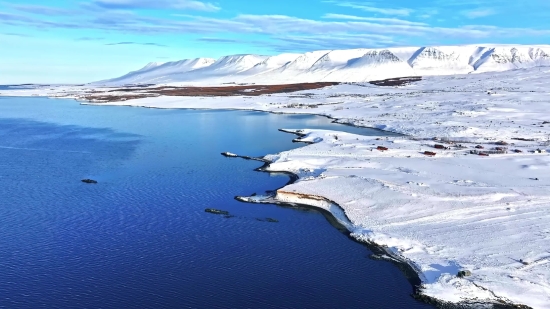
446	213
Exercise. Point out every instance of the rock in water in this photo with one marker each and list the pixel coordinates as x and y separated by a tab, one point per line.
217	211
89	181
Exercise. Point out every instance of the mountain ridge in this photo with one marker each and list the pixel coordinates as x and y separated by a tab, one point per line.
349	65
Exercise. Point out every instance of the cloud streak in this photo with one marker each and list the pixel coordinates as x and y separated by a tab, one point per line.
277	32
221	40
28	21
395	21
41	9
16	34
303	43
267	25
478	13
373	9
157	4
135	43
89	39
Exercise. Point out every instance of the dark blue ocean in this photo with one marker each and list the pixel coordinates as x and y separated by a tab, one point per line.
140	238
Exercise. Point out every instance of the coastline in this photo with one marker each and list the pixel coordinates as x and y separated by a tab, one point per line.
462	116
380	252
280	243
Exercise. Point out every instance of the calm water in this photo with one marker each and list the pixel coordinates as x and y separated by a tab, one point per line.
141	239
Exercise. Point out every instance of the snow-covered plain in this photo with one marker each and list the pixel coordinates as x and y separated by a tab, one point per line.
444	214
351	65
453	211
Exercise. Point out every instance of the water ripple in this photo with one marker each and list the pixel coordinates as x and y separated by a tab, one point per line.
140	237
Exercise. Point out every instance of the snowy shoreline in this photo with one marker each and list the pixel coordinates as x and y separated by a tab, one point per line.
337	218
455	211
380	250
344	185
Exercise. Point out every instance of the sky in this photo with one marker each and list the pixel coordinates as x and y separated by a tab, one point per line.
78	41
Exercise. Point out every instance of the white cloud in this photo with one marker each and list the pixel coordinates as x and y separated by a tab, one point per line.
157	4
454	3
373	9
277	24
394	21
331	31
478	13
303	43
40	9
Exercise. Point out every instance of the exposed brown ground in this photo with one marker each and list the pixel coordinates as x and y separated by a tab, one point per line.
249	90
137	92
222	91
399	81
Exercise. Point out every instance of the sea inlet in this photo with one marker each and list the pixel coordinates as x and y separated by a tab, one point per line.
140	236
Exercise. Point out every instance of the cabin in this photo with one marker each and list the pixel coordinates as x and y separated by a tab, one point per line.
382	148
429	153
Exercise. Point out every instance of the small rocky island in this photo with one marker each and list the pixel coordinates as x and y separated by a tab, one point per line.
89	181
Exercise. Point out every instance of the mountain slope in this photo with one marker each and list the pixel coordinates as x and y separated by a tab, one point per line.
442	60
271	63
374	64
502	59
353	65
220	71
160	72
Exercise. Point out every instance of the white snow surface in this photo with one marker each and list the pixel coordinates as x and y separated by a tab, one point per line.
444	214
453	211
155	73
353	65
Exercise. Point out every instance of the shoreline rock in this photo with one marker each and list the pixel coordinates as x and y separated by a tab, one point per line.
217	211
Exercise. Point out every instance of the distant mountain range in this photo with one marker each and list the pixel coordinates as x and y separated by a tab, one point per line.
353	65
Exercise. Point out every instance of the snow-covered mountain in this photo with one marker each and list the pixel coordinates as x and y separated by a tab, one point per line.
502	59
155	73
353	65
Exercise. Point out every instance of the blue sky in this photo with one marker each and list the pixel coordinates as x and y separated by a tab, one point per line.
75	41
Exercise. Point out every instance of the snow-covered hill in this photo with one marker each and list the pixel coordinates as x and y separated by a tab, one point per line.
154	73
354	65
